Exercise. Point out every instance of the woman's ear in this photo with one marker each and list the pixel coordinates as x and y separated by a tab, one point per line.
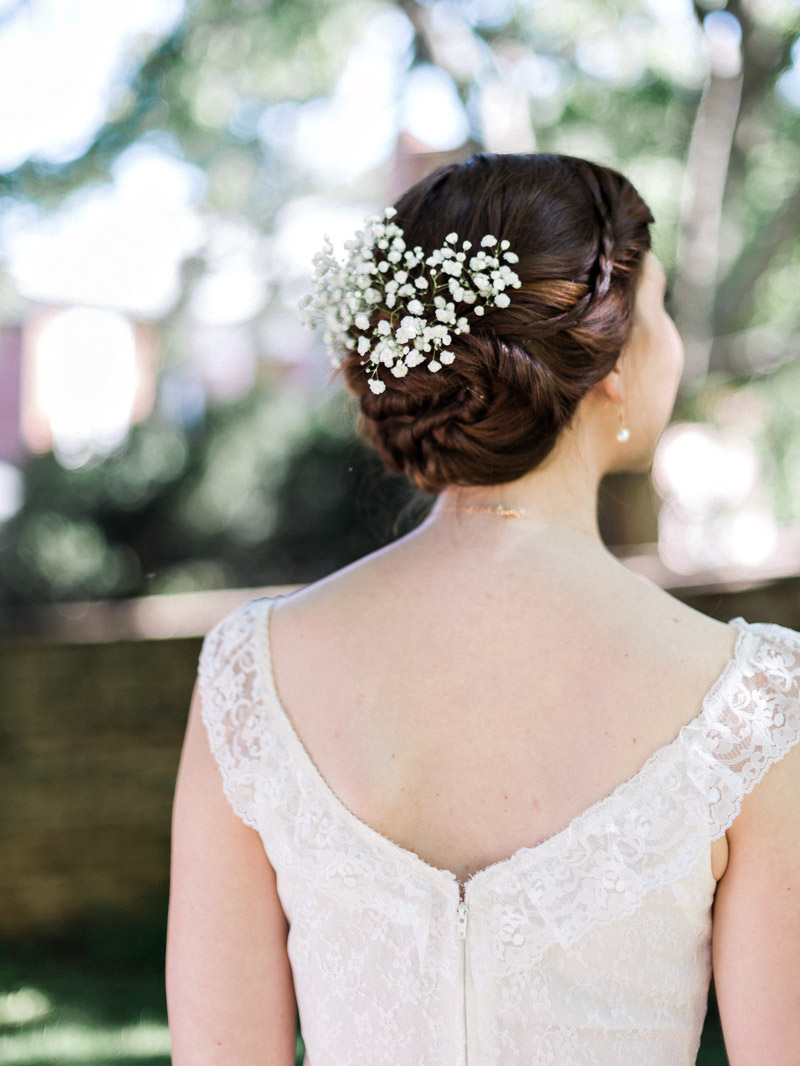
611	385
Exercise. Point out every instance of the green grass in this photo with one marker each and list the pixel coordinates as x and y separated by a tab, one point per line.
90	996
94	996
712	1046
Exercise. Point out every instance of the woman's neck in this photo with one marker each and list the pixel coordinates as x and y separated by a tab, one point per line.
562	491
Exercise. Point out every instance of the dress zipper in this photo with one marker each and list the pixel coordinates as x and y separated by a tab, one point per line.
462	920
461	927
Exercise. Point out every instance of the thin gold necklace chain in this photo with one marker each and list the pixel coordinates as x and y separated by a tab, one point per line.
498	509
509	512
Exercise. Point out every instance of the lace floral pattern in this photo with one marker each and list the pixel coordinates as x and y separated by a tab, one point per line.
544	971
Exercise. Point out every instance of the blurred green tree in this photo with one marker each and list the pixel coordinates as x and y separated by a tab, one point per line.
279	106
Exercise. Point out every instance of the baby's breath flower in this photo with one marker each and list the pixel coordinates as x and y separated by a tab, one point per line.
452	266
416	294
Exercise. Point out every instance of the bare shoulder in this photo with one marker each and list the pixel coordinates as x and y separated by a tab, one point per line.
399	580
357	591
676	632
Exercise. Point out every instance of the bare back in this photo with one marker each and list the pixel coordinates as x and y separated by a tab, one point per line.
466	703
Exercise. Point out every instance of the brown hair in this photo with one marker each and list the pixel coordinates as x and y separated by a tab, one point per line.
581	232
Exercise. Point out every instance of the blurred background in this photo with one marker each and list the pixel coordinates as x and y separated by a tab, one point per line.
171	443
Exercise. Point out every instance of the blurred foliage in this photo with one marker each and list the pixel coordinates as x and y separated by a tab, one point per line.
271	487
262	491
73	995
766	411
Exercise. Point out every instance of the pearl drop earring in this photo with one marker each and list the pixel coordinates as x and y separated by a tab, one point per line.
623	433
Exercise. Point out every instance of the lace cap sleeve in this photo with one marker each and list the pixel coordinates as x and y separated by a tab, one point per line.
757	717
232	710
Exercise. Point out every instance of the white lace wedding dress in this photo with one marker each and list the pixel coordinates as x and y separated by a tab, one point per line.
592	947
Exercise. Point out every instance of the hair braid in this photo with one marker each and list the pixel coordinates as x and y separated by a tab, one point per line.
605	254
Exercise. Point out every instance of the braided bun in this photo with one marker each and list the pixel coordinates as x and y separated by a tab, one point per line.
581	232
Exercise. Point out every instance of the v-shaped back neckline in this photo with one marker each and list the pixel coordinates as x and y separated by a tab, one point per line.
546	847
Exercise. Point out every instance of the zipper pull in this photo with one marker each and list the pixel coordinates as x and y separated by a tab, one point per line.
462	920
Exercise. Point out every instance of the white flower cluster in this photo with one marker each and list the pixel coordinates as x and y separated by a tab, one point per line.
417	297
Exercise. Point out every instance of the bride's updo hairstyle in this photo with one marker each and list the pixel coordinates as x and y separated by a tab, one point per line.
581	232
